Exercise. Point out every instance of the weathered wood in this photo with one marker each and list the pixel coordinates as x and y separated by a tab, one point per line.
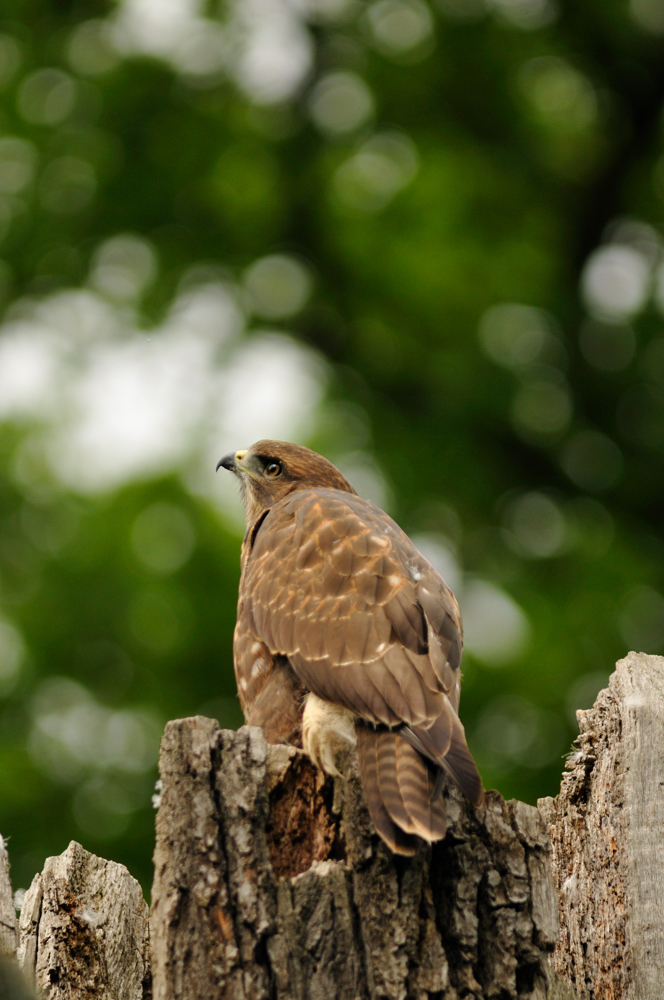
8	923
84	930
271	883
607	832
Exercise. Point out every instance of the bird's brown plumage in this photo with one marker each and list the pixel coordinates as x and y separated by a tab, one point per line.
336	600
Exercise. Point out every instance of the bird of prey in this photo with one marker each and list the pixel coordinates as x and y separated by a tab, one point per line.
346	634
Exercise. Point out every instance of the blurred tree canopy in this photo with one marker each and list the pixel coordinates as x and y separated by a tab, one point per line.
423	238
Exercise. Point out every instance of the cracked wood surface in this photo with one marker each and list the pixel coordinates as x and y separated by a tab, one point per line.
8	922
607	835
271	884
84	930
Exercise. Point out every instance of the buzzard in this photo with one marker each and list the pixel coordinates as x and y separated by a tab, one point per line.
346	634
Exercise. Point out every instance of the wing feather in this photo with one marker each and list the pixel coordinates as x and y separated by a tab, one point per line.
390	599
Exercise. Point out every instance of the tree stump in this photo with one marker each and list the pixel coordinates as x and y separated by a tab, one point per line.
84	930
270	884
607	836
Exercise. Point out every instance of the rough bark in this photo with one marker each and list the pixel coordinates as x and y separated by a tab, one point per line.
84	930
607	834
271	883
8	923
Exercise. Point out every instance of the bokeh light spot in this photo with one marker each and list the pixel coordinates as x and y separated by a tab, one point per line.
615	282
633	232
590	525
123	267
102	808
50	526
562	96
535	526
340	102
542	407
381	167
400	26
514	335
277	286
203	52
29	366
18	159
496	629
163	538
131	409
592	461
73	734
90	50
527	14
649	15
46	97
277	51
270	389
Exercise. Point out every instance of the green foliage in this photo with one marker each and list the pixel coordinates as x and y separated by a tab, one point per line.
423	239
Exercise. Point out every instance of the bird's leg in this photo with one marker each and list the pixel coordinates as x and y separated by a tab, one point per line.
326	730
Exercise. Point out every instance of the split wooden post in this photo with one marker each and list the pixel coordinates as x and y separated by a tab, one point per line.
607	837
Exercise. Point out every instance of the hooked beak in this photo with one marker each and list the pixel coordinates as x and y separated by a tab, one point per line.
231	462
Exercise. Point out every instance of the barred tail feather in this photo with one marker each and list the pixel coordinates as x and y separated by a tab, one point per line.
396	839
399	785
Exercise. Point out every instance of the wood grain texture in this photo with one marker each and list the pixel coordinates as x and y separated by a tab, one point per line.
84	930
8	922
272	884
607	833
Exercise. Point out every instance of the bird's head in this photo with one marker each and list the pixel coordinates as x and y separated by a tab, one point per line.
270	470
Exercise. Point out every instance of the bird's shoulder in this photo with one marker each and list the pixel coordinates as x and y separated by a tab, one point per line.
325	555
326	517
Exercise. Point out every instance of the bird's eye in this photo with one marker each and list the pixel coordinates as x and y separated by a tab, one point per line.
273	469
